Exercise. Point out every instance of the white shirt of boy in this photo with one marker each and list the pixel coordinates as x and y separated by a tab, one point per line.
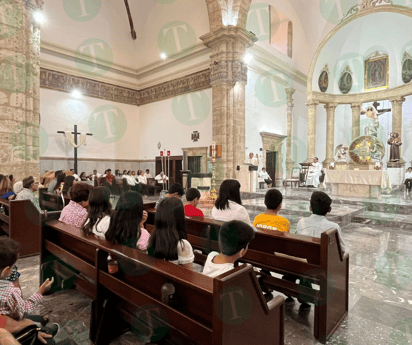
148	175
314	226
408	175
213	270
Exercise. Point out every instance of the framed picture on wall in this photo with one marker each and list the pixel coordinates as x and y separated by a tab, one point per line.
377	72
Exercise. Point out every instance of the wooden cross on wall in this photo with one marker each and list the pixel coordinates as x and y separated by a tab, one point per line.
75	141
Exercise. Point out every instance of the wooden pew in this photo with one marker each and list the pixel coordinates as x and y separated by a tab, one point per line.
319	260
152	187
50	201
22	222
206	310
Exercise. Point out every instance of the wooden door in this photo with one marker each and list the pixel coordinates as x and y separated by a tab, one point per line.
271	157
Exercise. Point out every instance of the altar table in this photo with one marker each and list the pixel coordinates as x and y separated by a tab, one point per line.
358	183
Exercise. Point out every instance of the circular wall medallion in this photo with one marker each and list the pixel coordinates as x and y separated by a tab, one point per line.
345	82
366	149
323	81
407	71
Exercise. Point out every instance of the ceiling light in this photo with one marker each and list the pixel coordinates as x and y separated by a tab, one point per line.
247	58
38	17
76	94
163	56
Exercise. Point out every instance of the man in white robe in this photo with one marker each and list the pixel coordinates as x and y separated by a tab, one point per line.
314	173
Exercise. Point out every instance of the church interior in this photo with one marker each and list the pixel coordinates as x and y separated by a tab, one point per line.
190	122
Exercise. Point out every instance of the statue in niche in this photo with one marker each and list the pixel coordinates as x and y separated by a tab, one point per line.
342	153
394	142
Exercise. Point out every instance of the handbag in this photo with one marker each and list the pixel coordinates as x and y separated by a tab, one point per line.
28	335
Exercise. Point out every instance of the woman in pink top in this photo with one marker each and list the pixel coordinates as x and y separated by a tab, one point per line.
75	213
126	223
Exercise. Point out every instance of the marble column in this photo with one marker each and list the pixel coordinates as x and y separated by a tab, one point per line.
228	79
289	161
397	118
20	88
311	130
330	133
356	113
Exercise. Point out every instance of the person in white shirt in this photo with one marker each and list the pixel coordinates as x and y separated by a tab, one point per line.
131	180
76	177
141	177
264	177
408	179
217	264
228	205
100	208
314	173
161	179
148	174
95	175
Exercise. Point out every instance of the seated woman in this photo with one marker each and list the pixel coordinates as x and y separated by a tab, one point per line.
6	190
408	180
100	209
126	222
83	177
53	183
228	205
168	240
75	213
59	180
143	181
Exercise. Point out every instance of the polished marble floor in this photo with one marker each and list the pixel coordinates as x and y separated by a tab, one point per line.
380	282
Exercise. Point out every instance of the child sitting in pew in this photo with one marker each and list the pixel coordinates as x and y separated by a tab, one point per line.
168	240
192	197
234	237
270	219
100	209
75	213
12	303
126	222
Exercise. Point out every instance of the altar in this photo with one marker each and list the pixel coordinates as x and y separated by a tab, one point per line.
358	183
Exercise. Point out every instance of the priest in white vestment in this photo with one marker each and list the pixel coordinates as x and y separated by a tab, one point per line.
314	173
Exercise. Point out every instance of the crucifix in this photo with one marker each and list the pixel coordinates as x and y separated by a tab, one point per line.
75	133
380	111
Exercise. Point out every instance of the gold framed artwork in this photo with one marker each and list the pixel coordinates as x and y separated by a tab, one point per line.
377	72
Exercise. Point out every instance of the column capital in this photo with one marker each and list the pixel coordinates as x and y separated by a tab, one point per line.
331	105
289	93
399	99
356	105
311	103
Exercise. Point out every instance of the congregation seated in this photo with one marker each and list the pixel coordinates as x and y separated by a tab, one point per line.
230	250
148	174
131	181
169	239
408	180
314	173
100	209
228	205
95	175
75	213
83	177
126	222
192	196
29	188
175	191
270	219
56	181
109	176
117	174
6	188
76	177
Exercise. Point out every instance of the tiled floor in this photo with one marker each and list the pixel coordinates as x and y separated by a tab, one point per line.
380	286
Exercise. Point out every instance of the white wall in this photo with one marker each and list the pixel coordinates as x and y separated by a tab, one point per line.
172	121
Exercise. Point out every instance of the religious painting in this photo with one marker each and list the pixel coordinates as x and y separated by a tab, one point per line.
407	69
377	72
345	82
323	81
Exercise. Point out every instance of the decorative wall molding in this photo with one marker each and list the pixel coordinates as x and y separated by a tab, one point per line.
366	4
58	81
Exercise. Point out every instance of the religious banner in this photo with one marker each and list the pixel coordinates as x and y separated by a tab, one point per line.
377	72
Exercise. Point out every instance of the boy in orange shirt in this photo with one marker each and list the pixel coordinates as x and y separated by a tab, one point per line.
270	219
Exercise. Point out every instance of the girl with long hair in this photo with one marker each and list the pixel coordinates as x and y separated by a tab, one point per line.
228	205
126	222
100	208
60	179
168	240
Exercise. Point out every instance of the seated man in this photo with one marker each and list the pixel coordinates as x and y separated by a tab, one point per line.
29	187
408	180
264	177
161	179
76	177
314	172
148	174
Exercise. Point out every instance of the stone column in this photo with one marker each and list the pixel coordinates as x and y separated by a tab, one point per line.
228	79
356	112
330	133
311	130
397	119
19	88
289	161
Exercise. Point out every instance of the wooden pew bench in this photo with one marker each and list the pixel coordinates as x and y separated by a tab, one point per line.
21	222
50	201
314	260
229	309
